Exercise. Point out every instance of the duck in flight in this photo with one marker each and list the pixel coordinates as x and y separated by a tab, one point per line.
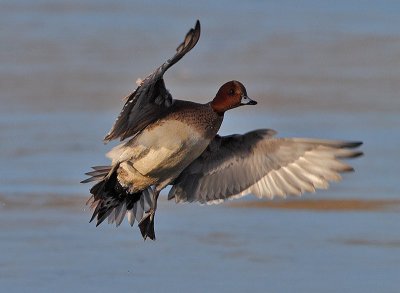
165	141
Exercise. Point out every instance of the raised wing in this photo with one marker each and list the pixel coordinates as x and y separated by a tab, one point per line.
151	98
257	163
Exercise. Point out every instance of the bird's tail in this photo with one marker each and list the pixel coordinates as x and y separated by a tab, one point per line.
111	200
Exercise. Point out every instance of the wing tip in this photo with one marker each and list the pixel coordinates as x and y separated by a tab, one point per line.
356	155
107	138
197	25
191	39
352	144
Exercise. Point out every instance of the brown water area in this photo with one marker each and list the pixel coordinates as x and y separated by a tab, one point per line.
345	205
55	201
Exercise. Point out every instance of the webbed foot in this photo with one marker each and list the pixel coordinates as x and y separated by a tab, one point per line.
146	226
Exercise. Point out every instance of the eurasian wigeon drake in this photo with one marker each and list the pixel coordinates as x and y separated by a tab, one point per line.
175	142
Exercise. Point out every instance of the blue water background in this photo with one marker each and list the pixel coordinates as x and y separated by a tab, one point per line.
317	68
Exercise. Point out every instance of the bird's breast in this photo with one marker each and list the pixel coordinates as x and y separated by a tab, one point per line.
168	147
160	152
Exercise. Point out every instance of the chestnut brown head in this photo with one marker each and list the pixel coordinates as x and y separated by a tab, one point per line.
231	95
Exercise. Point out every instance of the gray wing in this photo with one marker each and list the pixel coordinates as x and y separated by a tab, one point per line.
151	98
257	163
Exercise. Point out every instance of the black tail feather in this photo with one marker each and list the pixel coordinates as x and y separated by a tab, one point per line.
110	199
101	168
99	173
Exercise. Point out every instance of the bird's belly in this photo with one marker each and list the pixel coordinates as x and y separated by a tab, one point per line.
159	154
168	148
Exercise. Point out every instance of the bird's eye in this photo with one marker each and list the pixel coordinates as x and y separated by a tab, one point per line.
231	92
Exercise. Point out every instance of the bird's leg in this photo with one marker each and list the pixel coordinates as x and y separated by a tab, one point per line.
146	225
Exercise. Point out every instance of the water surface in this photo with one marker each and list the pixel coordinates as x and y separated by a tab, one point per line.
316	69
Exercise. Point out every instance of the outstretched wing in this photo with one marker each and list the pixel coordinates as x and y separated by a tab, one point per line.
257	163
151	98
